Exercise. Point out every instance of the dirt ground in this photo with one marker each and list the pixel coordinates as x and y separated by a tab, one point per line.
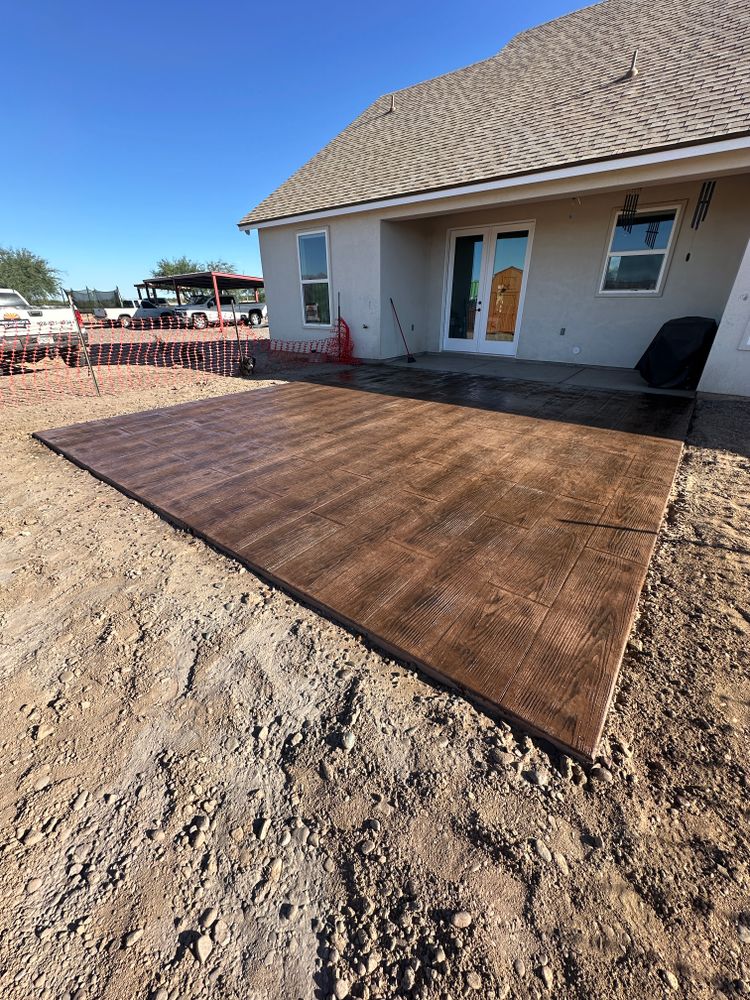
209	791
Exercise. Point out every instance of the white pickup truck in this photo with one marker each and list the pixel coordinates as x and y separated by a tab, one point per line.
135	312
31	333
201	311
117	315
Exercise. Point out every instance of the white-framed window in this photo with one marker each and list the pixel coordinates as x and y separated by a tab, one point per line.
315	277
638	252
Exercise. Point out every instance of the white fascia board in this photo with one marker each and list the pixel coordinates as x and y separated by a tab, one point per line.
521	180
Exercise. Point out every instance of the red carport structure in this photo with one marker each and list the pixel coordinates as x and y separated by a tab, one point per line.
216	281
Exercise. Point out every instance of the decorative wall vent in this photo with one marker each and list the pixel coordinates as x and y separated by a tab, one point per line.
703	203
629	209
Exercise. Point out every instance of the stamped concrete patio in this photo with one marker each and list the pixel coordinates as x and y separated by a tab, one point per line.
495	533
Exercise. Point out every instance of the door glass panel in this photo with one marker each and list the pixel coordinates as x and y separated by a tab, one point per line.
505	285
467	269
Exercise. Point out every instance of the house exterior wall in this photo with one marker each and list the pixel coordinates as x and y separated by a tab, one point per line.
354	254
405	264
370	262
567	259
373	258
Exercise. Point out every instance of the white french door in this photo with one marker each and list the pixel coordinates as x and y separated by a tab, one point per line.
485	287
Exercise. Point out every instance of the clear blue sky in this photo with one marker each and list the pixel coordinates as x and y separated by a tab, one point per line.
134	131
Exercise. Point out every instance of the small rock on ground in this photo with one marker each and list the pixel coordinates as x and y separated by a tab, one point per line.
203	948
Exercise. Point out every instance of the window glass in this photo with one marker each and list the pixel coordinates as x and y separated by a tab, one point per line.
312	257
649	232
316	292
638	254
317	306
9	299
637	273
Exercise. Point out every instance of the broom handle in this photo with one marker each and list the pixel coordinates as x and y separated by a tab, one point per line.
393	306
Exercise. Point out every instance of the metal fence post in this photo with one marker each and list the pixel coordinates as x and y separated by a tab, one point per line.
82	343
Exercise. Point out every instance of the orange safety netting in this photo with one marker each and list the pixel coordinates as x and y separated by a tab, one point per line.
56	359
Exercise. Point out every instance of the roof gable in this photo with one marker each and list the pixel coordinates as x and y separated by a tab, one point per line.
556	95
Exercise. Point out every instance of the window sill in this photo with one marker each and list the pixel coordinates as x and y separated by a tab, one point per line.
654	294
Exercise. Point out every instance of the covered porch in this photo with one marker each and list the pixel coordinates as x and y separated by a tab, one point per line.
564	289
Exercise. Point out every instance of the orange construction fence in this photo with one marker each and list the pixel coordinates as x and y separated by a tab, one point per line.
101	357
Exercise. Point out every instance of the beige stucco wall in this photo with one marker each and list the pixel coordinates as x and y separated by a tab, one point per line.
728	367
568	252
354	251
405	269
373	258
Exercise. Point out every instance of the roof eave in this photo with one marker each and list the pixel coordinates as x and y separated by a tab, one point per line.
702	146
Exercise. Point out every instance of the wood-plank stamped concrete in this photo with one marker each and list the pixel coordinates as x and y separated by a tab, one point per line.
494	533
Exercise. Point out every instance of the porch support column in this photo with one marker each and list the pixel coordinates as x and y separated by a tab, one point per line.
728	367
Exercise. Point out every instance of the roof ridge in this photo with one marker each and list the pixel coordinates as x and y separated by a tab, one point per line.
554	20
493	56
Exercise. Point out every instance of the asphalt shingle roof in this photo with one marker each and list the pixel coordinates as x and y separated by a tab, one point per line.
555	95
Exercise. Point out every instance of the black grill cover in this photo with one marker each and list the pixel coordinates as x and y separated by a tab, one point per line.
675	357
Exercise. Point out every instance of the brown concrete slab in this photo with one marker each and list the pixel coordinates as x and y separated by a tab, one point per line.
494	533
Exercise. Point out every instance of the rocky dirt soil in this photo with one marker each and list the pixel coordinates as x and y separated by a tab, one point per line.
209	791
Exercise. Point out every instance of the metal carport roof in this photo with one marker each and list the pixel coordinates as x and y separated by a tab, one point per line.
215	281
209	280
